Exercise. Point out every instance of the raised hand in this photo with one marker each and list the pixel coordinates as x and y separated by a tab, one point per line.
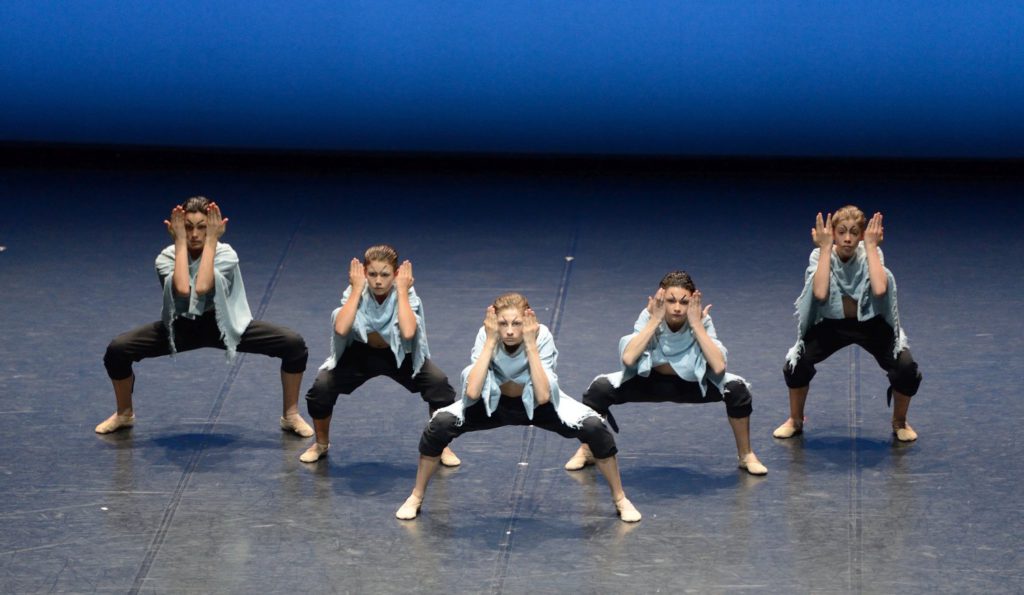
656	305
822	232
176	226
874	233
216	224
403	277
357	276
530	326
491	323
694	313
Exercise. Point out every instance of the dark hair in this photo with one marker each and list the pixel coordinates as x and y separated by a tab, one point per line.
381	253
678	279
196	204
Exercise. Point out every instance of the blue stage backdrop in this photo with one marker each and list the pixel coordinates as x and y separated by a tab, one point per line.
889	78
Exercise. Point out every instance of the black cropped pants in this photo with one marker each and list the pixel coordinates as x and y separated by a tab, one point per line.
360	362
510	411
152	340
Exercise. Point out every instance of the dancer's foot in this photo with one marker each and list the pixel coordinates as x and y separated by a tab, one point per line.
627	512
789	428
115	422
314	452
751	465
580	459
295	423
448	458
903	431
410	508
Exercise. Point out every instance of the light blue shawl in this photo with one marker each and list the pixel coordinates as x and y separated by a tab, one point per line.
228	296
679	349
849	279
382	319
515	367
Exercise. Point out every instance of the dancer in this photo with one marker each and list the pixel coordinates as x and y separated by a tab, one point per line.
674	355
204	306
379	330
849	298
512	381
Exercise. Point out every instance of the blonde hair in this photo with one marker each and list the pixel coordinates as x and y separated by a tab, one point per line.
381	253
510	300
849	212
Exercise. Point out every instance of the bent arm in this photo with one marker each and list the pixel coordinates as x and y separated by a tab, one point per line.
347	315
876	272
820	284
712	354
406	317
478	373
638	344
181	281
538	375
204	278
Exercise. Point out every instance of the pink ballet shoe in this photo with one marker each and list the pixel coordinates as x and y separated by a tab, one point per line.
627	512
448	458
295	423
580	459
115	422
410	508
788	429
903	432
751	465
314	453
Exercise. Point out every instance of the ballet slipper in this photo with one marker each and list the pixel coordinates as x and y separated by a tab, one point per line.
410	508
580	459
314	452
448	458
115	422
751	465
903	432
295	423
788	429
627	512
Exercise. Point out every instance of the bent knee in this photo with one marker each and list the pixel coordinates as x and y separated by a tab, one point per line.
599	395
798	375
116	360
442	421
595	434
296	353
906	378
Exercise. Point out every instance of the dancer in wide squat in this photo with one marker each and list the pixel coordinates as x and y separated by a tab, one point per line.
204	306
512	381
849	297
674	355
378	330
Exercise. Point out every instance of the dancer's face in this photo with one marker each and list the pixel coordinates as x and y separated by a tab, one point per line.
510	326
676	301
380	276
195	232
846	235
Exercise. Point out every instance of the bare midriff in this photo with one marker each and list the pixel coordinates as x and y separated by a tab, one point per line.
849	307
376	341
511	389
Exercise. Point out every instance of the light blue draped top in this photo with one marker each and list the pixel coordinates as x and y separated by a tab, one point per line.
679	349
848	279
227	298
515	367
381	318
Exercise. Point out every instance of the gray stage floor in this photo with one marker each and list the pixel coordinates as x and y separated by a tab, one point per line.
207	495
